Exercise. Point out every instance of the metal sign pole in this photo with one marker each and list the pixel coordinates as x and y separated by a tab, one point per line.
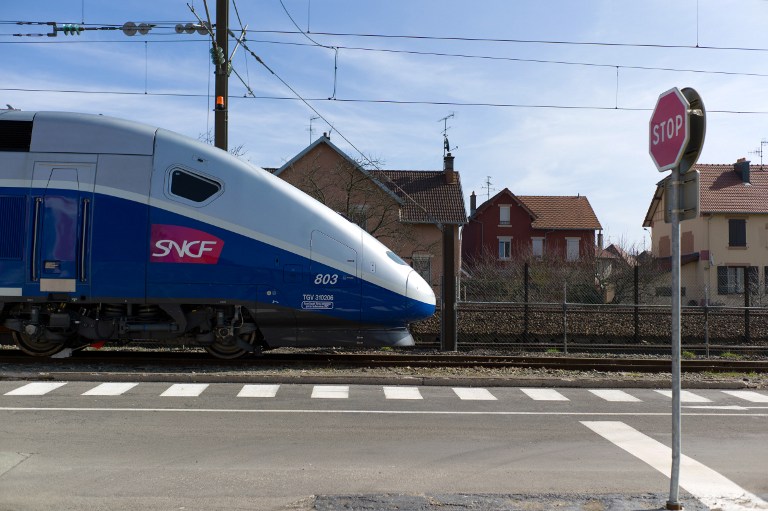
674	485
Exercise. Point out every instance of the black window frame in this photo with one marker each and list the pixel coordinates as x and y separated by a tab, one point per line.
208	188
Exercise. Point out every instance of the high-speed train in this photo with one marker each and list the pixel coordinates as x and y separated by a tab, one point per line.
116	231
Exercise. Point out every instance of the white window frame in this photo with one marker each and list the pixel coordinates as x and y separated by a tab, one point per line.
570	255
422	264
502	209
506	255
537	247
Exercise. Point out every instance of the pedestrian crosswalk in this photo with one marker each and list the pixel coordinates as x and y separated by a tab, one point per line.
389	392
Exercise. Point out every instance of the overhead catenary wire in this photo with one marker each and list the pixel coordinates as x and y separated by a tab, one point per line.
375	101
339	133
436	54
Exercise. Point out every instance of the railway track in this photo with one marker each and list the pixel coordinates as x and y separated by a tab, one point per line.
137	360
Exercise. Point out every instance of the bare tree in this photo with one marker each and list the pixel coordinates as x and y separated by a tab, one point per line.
208	138
350	189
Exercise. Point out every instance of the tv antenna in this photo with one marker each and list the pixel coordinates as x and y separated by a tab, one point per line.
759	150
488	188
446	145
311	131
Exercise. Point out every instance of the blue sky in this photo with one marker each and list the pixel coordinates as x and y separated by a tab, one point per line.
539	118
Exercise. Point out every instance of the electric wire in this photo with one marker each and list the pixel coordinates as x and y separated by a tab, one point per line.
375	101
442	54
339	133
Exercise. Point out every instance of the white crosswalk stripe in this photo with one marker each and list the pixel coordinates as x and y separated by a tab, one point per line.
748	395
258	391
686	396
402	393
185	390
330	392
110	389
545	395
391	392
36	389
474	394
615	396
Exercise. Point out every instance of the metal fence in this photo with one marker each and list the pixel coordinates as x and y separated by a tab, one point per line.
581	307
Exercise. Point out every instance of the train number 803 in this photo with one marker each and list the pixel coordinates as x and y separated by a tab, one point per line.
326	278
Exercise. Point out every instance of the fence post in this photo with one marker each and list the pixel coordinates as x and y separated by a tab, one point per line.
637	304
706	319
565	317
747	292
526	281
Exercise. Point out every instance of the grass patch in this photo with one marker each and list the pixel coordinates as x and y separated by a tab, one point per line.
553	350
688	354
731	356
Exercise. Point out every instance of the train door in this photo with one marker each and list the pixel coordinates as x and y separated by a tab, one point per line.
334	278
61	218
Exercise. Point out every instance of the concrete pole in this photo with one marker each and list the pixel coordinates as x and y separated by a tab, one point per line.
221	119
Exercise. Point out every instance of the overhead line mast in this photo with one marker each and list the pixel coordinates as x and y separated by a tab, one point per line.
221	90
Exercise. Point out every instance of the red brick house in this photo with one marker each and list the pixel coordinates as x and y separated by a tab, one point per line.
509	226
406	210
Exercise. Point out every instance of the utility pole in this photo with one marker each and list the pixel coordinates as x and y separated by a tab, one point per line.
221	118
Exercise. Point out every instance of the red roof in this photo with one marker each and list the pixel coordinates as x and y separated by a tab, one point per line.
561	212
433	199
722	189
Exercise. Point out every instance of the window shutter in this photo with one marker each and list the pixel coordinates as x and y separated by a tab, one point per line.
753	279
737	232
722	280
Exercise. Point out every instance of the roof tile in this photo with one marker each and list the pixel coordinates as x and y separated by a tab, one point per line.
722	190
428	198
561	212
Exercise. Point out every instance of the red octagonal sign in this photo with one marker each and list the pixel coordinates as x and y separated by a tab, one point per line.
669	129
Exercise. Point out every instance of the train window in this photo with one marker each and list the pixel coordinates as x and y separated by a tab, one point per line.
395	257
192	187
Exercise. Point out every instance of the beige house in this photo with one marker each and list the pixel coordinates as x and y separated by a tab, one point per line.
725	248
405	209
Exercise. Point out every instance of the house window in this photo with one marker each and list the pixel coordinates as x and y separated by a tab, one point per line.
359	215
505	248
422	264
730	279
572	249
504	215
537	245
737	232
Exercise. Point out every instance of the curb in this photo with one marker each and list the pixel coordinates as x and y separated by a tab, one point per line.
356	379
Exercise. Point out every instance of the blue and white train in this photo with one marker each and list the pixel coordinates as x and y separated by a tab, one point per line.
117	231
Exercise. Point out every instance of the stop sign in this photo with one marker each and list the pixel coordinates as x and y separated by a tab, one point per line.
669	129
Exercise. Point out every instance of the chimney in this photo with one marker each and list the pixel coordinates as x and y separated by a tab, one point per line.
741	167
472	204
450	174
600	240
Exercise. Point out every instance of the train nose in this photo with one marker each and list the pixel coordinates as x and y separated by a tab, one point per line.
419	296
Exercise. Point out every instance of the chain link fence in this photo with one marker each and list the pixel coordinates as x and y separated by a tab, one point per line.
586	307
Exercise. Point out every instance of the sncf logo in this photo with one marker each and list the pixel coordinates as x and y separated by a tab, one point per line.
176	244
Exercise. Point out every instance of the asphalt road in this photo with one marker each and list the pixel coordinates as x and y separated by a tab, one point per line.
233	446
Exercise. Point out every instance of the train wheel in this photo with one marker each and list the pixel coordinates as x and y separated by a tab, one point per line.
37	347
231	350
